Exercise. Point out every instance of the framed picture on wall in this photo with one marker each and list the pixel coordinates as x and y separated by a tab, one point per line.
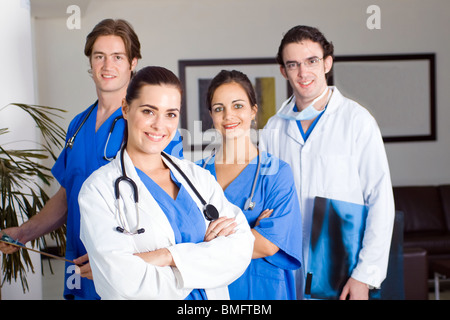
264	73
399	90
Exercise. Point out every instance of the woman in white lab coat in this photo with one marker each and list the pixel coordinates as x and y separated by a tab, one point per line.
160	246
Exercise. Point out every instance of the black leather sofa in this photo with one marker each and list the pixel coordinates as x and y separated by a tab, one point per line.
426	219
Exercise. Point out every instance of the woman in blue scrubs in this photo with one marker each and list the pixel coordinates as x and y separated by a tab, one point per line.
275	218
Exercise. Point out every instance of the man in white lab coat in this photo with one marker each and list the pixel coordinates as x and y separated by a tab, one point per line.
336	151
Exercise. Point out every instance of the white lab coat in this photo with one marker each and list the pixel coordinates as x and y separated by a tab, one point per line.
343	159
118	274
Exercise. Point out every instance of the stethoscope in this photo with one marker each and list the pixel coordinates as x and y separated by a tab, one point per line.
209	211
71	140
249	204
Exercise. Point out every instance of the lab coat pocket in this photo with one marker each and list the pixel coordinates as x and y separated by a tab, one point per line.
338	174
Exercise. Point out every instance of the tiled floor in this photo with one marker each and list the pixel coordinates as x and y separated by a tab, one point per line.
52	284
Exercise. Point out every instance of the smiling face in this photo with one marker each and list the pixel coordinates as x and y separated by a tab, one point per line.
152	119
307	83
231	110
111	70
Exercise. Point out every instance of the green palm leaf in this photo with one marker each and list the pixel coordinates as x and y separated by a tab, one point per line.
21	178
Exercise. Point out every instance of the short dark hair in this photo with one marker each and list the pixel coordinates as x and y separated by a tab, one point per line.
226	76
120	28
151	75
298	34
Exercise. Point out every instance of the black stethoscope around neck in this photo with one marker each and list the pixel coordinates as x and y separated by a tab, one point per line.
209	211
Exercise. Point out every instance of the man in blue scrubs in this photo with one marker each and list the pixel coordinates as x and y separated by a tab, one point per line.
93	139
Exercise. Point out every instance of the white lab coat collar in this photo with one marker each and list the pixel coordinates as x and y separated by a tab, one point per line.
333	104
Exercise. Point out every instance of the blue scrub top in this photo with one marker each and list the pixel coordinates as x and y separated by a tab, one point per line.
73	166
306	134
269	278
185	217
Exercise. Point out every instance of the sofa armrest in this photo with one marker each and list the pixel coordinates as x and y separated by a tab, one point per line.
415	273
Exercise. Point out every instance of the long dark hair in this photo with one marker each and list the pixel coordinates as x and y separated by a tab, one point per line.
226	76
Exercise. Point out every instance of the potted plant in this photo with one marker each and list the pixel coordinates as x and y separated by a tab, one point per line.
22	177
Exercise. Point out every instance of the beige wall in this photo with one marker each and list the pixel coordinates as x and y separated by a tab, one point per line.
171	30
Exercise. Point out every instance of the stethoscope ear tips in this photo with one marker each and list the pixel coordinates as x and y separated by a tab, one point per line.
122	230
119	229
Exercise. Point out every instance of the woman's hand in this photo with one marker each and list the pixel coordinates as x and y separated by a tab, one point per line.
160	257
262	247
221	227
266	213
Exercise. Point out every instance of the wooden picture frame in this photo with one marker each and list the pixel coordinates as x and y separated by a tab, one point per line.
195	75
398	89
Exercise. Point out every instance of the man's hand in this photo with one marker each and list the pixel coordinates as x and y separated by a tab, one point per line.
84	268
355	290
14	233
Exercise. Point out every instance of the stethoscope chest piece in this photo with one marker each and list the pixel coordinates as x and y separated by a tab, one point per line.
210	212
249	204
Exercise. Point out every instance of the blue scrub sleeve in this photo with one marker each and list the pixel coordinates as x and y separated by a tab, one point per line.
284	227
